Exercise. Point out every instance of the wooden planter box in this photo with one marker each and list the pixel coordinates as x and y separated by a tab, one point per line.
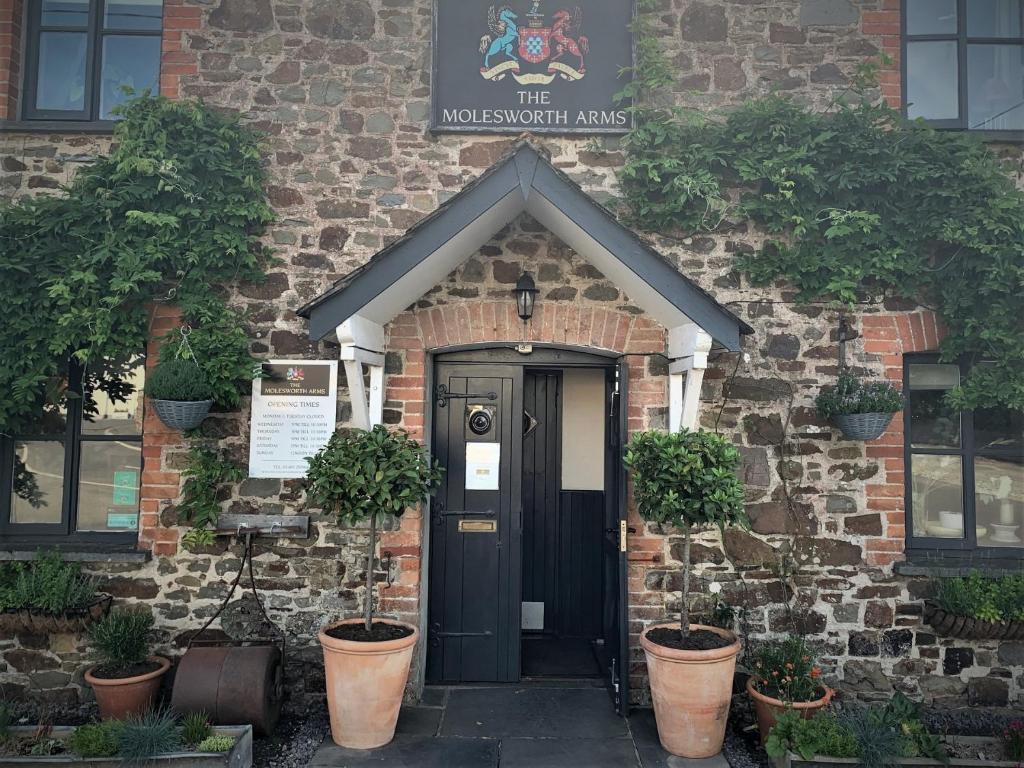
239	756
968	628
795	761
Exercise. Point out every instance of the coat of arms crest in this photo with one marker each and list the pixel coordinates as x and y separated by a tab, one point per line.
508	45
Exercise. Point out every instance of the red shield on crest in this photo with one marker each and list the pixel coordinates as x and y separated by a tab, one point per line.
534	45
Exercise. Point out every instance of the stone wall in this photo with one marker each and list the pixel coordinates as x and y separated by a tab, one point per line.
341	88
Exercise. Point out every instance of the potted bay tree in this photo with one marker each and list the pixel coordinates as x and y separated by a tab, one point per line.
688	480
366	476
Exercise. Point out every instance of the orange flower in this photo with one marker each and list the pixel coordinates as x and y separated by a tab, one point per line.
815	673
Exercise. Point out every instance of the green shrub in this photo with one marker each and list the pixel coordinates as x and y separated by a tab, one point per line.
6	718
215	744
785	670
195	727
180	380
96	739
822	734
687	480
146	736
851	395
46	585
1000	599
877	736
121	639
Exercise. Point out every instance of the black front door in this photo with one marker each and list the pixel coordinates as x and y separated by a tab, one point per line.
476	525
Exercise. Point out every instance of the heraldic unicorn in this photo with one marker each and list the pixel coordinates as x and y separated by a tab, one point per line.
562	45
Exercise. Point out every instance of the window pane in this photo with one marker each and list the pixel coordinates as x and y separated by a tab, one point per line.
933	424
65	13
999	495
61	71
931	17
937	499
37	495
932	80
108	486
119	413
994	18
995	87
133	14
128	61
999	429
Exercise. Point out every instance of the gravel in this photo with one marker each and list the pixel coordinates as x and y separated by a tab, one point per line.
296	739
742	742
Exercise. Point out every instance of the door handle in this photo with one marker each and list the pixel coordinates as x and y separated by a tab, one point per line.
611	531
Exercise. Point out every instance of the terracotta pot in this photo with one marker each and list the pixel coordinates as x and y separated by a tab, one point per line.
365	684
768	709
121	697
691	692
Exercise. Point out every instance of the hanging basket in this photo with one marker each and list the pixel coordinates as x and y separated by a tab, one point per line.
182	414
862	426
948	624
69	622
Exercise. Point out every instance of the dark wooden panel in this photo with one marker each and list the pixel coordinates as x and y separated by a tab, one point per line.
580	582
540	494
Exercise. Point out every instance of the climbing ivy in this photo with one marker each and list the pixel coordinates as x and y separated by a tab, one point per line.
858	204
173	214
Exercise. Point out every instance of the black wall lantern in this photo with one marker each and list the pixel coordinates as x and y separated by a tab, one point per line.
526	296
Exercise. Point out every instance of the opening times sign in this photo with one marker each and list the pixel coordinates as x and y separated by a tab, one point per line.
547	66
294	414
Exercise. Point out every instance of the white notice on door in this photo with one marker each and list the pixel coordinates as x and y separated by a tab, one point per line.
483	462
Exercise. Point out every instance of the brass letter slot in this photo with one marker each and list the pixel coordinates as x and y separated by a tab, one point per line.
478	526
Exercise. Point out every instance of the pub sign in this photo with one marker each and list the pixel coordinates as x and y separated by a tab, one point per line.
546	66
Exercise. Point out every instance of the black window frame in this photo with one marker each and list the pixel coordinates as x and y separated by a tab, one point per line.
932	547
963	40
64	532
95	32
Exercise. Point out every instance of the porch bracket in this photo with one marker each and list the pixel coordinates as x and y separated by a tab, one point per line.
362	344
688	348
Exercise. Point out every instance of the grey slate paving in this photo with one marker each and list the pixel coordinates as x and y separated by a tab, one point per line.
561	753
412	752
509	711
516	726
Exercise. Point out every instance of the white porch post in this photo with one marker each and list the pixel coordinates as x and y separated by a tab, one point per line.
362	344
688	347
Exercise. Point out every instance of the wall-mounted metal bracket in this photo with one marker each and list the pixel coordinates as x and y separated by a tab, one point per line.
276	526
443	396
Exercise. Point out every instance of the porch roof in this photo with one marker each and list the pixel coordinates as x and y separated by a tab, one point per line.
523	181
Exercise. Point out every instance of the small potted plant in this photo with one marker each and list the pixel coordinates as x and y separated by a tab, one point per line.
688	480
359	476
180	393
127	678
861	409
785	677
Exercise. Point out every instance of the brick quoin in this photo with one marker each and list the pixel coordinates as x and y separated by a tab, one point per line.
10	57
891	336
885	25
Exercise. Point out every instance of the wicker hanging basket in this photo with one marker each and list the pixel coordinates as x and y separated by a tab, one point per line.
862	426
182	414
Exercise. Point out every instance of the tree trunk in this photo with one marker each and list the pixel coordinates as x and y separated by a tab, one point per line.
684	611
370	552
